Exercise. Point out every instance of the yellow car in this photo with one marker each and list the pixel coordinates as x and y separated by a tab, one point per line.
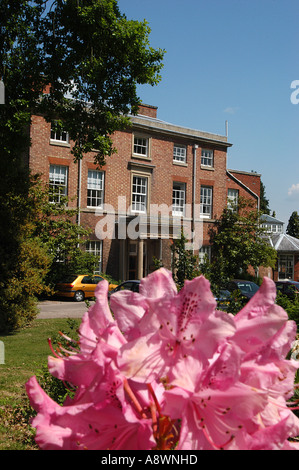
78	287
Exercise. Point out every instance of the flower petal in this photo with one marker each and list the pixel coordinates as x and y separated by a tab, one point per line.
96	319
128	308
260	319
157	285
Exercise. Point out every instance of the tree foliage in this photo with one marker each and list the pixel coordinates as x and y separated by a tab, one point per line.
238	242
57	228
92	57
78	62
264	202
47	244
293	225
24	262
185	263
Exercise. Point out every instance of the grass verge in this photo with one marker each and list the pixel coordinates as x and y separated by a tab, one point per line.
25	354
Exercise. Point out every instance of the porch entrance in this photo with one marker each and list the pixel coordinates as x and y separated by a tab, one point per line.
140	257
285	267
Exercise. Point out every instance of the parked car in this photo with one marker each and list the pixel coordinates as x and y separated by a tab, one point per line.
223	299
246	288
126	285
78	287
288	288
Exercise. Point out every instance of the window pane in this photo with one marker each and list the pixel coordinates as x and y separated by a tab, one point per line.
285	266
178	198
207	157
95	188
232	199
206	194
139	194
179	153
140	146
204	252
57	182
59	134
95	248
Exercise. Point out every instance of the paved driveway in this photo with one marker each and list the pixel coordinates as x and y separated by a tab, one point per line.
61	309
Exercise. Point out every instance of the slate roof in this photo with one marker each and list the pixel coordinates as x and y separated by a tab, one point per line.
268	219
283	242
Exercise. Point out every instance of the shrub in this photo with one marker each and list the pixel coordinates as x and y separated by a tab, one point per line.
291	306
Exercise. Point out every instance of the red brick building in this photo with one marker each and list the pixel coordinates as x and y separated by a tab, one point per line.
162	176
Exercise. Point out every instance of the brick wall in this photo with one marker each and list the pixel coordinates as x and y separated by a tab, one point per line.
159	167
251	182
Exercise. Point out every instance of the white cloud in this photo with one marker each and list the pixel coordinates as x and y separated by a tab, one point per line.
294	190
231	109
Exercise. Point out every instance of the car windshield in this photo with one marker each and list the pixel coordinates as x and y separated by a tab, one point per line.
247	287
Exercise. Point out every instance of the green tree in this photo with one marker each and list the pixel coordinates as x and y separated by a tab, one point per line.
264	202
47	244
93	58
57	229
238	242
185	263
293	225
24	261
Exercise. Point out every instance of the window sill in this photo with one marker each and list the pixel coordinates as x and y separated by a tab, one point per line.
137	213
59	144
141	157
206	167
180	163
92	209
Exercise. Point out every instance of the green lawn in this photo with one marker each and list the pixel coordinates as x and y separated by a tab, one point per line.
26	352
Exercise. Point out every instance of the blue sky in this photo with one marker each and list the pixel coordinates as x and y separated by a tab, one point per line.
232	60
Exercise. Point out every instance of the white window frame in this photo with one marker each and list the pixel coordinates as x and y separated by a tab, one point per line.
202	252
272	228
58	182
285	265
139	193
232	199
95	247
61	136
179	153
141	146
276	228
178	198
95	188
206	202
279	228
207	158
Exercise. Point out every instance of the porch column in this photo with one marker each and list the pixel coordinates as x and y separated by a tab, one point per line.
122	260
140	259
160	249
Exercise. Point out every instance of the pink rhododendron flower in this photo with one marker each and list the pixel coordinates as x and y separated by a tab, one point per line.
169	371
174	327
